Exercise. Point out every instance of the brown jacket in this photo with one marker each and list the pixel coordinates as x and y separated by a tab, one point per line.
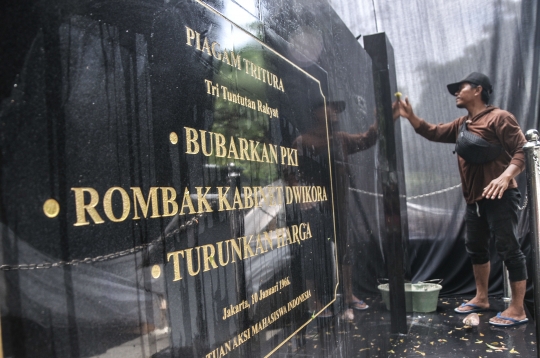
494	125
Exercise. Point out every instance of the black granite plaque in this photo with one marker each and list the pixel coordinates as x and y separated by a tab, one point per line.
166	186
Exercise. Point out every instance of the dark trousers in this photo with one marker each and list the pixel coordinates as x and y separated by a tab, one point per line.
496	218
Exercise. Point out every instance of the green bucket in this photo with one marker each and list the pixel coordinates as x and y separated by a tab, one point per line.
385	293
425	296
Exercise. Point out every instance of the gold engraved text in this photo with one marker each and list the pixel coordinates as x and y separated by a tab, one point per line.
212	49
210	143
118	205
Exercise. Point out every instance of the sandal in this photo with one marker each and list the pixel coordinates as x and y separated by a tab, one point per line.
358	305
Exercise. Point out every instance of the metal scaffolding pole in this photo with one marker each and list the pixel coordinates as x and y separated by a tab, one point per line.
532	153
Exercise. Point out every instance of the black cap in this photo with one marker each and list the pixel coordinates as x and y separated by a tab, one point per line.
476	78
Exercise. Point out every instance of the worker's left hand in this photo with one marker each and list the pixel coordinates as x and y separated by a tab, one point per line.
496	188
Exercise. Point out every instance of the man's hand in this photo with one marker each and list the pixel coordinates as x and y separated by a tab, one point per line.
405	110
497	187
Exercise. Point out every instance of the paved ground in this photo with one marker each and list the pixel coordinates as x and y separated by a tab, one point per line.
437	334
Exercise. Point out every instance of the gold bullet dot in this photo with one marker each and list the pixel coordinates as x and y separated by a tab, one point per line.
156	271
51	208
173	137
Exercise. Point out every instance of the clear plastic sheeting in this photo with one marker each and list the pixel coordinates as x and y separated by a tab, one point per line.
436	43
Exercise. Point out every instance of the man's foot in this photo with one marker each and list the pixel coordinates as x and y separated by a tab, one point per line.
358	305
474	305
348	315
510	317
355	303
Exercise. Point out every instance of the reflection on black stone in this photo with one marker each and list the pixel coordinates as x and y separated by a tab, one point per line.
315	145
204	182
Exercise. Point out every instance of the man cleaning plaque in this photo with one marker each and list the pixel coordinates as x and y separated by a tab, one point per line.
489	145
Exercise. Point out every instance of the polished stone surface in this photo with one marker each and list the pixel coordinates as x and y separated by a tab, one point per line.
142	210
395	228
